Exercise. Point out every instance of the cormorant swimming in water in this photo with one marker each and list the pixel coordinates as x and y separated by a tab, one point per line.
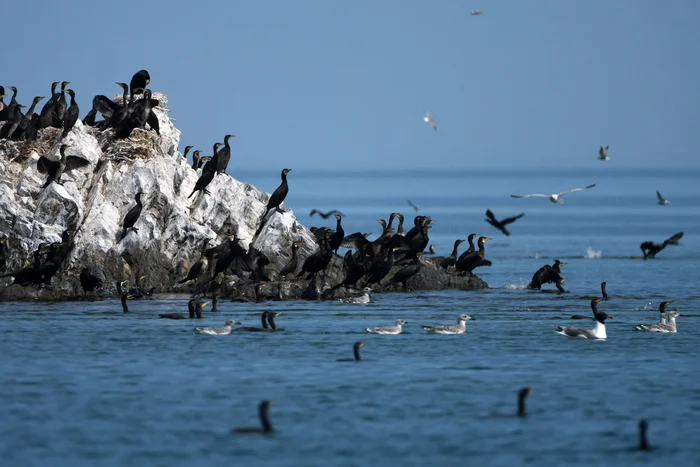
71	115
325	215
224	155
265	318
597	333
88	281
55	169
278	195
355	351
501	225
207	176
265	425
139	82
522	395
194	307
124	298
643	442
131	217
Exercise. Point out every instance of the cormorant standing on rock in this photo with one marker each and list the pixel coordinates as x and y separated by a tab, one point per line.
476	259
279	194
337	237
195	159
207	176
138	115
291	266
13	122
198	267
471	249
55	169
3	252
88	281
501	225
450	260
59	108
187	150
355	270
224	155
46	114
71	115
138	82
131	217
318	261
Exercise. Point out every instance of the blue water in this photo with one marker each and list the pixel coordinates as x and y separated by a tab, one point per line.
84	384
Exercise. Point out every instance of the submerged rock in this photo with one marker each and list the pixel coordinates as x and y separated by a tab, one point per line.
171	230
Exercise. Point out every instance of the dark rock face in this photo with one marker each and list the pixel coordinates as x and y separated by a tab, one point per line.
170	232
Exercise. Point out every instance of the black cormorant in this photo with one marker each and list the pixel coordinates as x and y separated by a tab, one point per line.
291	266
406	272
46	114
501	225
476	259
471	249
450	260
355	351
138	82
131	217
88	281
59	109
265	426
546	275
224	155
643	442
55	169
354	271
325	215
187	150
2	103
278	195
138	115
195	159
650	249
318	261
114	113
522	395
207	176
263	321
198	267
71	115
337	238
3	252
14	120
124	298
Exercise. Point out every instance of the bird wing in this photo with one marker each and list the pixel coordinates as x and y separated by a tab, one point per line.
674	239
659	197
432	122
46	165
536	195
508	220
576	189
75	162
490	215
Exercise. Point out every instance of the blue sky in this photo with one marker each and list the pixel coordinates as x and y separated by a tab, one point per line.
343	85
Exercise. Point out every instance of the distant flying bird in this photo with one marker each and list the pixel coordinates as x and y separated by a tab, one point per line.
415	208
476	13
325	215
501	225
554	198
430	120
662	201
603	154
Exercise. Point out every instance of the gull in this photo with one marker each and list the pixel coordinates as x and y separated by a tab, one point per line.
476	13
603	154
597	333
662	201
430	120
224	331
458	328
554	198
389	329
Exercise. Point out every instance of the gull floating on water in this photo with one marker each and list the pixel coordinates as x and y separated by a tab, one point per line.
662	325
218	331
662	201
389	329
458	328
603	154
554	198
597	333
430	120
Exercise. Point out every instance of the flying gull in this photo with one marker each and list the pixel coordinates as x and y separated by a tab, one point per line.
554	198
603	153
430	120
662	201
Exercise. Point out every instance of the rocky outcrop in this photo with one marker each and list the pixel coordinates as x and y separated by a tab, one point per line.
171	230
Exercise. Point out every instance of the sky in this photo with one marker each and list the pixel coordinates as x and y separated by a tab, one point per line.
330	85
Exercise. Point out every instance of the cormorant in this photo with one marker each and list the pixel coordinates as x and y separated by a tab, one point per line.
71	115
406	272
263	321
139	82
13	122
546	275
318	261
203	161
187	149
195	159
191	304
55	169
138	115
3	252
355	351
59	109
450	260
224	155
643	443
650	249
337	238
278	195
291	266
2	102
355	270
88	281
131	217
29	124
431	249
325	215
265	425
476	259
124	298
46	114
207	176
501	225
198	267
114	113
522	395
556	197
471	249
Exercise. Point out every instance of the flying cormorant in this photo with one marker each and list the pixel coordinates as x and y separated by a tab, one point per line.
501	225
131	217
325	215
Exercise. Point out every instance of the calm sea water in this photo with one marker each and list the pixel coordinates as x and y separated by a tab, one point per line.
84	384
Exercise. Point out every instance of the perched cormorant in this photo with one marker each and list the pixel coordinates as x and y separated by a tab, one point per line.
139	82
224	155
291	266
325	215
71	115
265	425
195	159
556	197
59	109
187	150
476	259
471	249
501	225
14	120
458	328
597	333
46	114
138	114
114	113
131	217
356	353
88	281
278	195
404	273
318	261
213	331
354	271
450	260
198	267
337	238
3	252
55	169
388	329
207	176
